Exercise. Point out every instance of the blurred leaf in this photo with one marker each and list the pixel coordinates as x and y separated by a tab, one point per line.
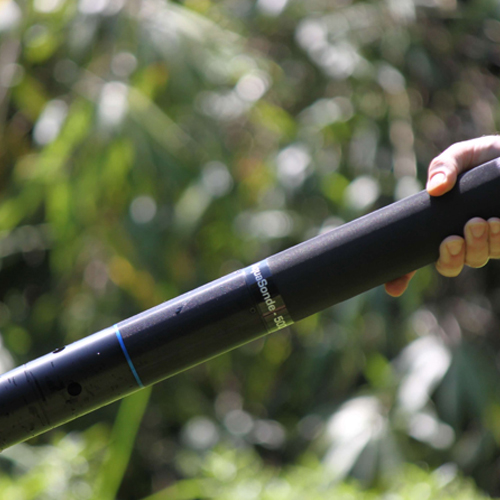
122	439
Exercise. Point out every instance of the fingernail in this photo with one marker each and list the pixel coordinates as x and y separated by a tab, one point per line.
454	247
477	229
495	227
436	180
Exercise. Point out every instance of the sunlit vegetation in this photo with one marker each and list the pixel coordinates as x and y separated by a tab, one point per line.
149	146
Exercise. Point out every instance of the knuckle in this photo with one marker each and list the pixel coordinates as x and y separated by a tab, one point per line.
448	270
476	263
450	273
436	164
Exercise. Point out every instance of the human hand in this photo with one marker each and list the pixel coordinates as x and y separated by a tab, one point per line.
482	238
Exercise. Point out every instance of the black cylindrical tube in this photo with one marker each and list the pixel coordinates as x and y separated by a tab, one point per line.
383	245
240	307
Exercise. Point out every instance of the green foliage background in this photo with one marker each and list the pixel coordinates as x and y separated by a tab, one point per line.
147	147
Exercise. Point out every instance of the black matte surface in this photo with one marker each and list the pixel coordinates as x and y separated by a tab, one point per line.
192	328
383	245
223	314
61	386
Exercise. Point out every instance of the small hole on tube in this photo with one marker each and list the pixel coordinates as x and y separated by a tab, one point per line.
74	389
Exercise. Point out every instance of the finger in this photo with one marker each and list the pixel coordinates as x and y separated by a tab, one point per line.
458	158
397	287
451	256
494	241
476	239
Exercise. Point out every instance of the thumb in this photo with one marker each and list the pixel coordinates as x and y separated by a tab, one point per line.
462	156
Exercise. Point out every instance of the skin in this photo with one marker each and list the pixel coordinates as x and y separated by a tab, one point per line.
481	239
